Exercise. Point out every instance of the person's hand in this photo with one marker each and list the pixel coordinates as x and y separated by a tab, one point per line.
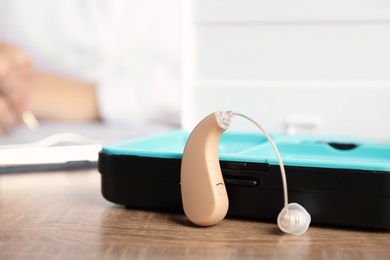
16	75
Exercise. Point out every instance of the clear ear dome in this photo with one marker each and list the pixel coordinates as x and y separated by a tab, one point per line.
295	221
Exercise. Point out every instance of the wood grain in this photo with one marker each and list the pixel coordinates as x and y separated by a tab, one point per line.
62	215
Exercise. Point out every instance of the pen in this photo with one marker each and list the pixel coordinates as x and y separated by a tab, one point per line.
30	120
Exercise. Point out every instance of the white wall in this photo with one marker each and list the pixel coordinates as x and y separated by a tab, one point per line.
308	66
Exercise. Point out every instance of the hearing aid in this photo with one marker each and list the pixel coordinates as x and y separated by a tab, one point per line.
204	195
203	192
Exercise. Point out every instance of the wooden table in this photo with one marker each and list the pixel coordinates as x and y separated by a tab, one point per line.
62	215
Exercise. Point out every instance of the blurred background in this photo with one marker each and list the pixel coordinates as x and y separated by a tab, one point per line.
318	67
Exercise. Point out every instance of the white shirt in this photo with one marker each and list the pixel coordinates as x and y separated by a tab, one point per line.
129	48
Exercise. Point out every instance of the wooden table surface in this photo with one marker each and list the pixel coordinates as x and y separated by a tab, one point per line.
62	215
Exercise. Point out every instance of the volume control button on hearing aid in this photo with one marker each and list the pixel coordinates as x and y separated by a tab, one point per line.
204	195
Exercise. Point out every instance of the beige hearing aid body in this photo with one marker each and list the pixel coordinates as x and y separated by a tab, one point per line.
204	195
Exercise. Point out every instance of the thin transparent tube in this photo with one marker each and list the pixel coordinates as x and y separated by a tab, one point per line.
281	165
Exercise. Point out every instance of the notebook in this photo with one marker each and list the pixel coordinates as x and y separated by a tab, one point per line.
63	145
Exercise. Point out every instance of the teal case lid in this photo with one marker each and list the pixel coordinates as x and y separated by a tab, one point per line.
300	150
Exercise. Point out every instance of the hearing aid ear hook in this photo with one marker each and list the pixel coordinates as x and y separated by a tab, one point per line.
204	196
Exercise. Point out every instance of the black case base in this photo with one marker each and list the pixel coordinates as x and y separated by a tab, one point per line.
341	197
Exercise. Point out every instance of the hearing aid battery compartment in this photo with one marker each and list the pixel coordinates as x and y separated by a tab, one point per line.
340	185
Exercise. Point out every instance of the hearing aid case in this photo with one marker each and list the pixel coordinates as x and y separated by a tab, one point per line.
340	181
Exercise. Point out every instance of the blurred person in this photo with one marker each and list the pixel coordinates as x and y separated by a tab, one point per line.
115	61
